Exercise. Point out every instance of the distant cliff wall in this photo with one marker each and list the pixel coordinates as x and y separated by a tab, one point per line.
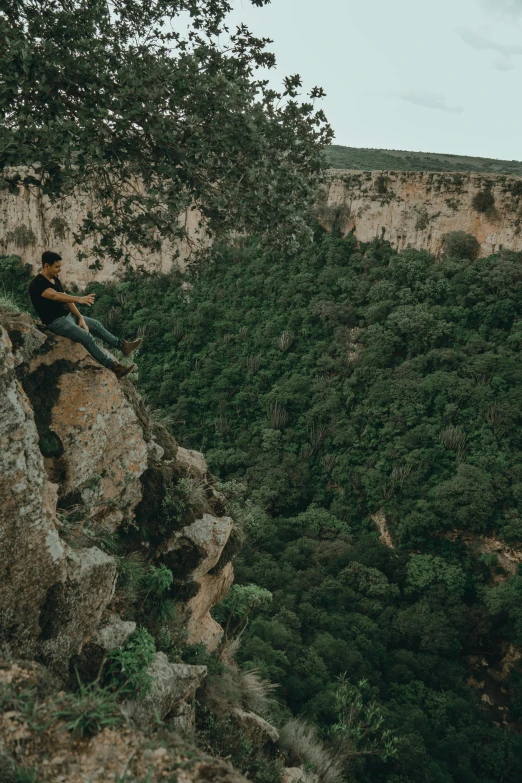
417	208
407	208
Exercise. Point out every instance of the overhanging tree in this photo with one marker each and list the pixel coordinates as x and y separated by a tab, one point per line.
112	97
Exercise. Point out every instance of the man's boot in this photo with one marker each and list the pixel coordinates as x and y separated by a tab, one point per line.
121	370
130	345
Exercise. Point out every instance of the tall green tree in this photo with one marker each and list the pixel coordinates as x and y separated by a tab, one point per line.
154	106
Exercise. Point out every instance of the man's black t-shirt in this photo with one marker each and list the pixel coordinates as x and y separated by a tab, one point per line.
46	308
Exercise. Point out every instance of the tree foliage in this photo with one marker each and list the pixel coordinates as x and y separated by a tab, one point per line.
114	99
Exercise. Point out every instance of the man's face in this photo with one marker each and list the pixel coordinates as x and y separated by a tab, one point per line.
54	269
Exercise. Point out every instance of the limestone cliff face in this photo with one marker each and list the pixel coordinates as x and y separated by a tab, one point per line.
80	458
417	208
30	224
407	208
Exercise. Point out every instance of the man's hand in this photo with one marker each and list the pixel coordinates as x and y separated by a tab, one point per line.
82	324
88	300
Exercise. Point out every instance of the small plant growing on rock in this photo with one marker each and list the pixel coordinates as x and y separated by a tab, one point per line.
8	302
256	692
303	747
484	202
458	244
381	184
90	710
195	491
21	236
11	772
58	226
423	219
128	666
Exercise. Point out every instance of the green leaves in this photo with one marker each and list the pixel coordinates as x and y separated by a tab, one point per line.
128	666
361	725
426	571
151	122
88	711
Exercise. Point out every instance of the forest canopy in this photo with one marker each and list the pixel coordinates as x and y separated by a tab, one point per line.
332	390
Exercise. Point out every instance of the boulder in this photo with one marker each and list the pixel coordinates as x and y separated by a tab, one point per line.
33	556
191	553
201	626
196	548
113	634
255	727
25	336
171	696
74	608
89	434
193	462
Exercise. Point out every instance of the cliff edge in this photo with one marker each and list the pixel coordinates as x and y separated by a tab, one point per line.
94	497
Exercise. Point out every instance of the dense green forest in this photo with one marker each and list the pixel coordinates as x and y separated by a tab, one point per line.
400	160
325	388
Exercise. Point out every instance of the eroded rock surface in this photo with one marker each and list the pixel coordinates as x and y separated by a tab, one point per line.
74	608
201	626
171	696
111	756
81	457
33	556
89	433
197	546
416	208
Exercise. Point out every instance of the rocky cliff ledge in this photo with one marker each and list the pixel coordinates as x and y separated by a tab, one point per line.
85	471
417	208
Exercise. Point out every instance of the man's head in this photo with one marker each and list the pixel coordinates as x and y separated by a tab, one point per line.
51	263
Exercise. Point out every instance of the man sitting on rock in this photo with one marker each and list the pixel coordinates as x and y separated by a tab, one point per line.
60	315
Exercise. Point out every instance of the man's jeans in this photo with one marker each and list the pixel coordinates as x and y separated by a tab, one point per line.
67	326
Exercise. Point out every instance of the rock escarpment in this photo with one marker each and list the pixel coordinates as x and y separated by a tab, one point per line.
30	223
416	209
408	208
85	470
82	459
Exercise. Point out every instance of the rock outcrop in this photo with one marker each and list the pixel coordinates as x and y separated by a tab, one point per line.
171	697
33	555
114	754
81	459
198	548
417	208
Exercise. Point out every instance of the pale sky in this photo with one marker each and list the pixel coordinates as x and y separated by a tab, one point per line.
442	77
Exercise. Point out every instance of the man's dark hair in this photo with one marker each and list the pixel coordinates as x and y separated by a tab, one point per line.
50	257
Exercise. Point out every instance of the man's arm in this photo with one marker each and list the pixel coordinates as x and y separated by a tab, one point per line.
56	296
